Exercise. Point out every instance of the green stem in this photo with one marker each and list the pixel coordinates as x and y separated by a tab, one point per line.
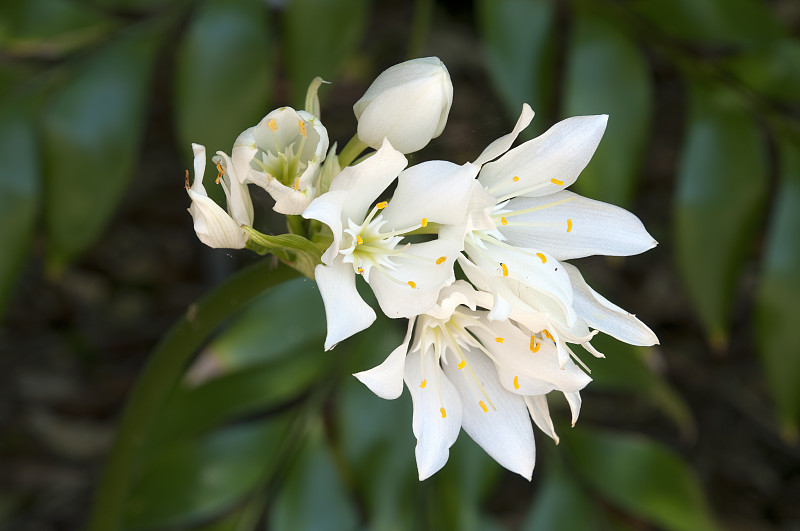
351	151
160	376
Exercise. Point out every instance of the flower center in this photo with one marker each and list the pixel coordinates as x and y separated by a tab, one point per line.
283	162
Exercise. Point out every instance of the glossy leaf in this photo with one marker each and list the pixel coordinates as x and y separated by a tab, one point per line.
314	496
560	503
779	291
771	70
193	480
92	131
607	74
319	36
20	186
519	44
223	77
733	22
640	476
722	182
49	28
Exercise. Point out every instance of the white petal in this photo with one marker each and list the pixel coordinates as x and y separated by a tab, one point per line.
316	146
240	206
435	433
436	190
559	154
418	265
540	413
570	226
327	208
199	168
386	380
504	143
345	311
574	401
244	149
214	227
289	201
504	431
600	313
365	181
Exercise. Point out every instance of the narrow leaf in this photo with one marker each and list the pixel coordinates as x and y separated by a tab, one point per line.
640	476
779	292
721	189
607	74
92	130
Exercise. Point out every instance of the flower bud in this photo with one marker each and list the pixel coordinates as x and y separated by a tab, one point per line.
407	103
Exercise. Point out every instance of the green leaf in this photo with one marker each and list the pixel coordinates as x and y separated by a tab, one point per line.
518	37
49	28
291	249
224	75
190	481
779	291
318	36
730	22
314	496
640	476
19	186
561	504
92	130
722	181
607	74
771	70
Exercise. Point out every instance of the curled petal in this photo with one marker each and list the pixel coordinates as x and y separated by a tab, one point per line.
504	143
345	310
386	380
540	413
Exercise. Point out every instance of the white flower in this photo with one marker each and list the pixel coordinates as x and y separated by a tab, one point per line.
214	226
284	153
407	103
463	370
368	238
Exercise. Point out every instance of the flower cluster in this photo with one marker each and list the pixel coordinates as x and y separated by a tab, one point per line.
488	339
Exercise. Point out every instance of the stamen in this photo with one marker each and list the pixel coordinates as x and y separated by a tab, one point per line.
381	205
424	222
483	406
462	364
515	178
548	335
516	382
505	269
499	339
412	284
534	345
569	225
423	383
360	240
220	173
444	413
296	184
272	125
542	257
361	271
532	209
556	181
504	221
187	187
439	261
302	127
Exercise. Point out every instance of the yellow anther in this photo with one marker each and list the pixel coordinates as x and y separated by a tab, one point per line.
272	125
499	339
424	222
569	225
186	184
302	127
296	184
220	173
534	345
444	413
423	383
504	221
515	178
516	382
505	269
542	257
359	239
412	284
548	335
556	181
361	271
462	364
381	205
439	261
483	406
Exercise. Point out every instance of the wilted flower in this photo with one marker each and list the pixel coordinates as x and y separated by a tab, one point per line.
284	153
407	103
214	226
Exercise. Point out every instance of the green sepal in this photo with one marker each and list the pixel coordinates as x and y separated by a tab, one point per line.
312	96
291	249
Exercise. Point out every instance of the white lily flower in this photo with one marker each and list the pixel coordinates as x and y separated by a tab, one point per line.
284	153
214	226
464	370
368	238
407	103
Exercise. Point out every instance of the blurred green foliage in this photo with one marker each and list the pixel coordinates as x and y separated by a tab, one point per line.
265	422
